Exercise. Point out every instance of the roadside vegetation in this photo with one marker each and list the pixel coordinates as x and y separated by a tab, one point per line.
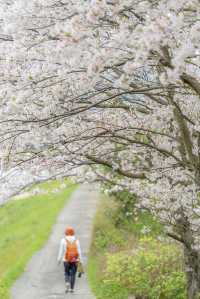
131	257
25	225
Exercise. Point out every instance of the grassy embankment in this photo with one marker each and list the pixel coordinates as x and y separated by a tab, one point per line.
133	259
25	225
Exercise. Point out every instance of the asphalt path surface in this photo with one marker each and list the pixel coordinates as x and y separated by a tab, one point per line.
43	277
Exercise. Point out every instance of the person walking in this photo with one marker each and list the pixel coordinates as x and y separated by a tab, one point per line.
70	254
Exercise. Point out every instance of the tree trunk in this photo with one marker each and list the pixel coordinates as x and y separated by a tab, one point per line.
192	263
191	256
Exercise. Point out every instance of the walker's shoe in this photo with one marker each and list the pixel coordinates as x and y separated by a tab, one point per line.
71	290
67	287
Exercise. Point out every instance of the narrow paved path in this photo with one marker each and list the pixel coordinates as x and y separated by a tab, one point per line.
43	278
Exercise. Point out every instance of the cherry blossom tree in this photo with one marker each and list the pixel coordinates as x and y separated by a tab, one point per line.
110	88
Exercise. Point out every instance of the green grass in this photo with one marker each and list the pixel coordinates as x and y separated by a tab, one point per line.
106	238
25	225
91	270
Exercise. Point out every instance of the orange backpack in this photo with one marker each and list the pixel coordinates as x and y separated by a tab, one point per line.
71	254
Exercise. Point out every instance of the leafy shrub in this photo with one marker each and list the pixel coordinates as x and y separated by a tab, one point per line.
126	206
112	290
105	239
124	264
174	286
3	292
152	271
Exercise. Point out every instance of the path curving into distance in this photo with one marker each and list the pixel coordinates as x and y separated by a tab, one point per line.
43	277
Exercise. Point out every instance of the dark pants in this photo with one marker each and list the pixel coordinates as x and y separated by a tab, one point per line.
70	273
